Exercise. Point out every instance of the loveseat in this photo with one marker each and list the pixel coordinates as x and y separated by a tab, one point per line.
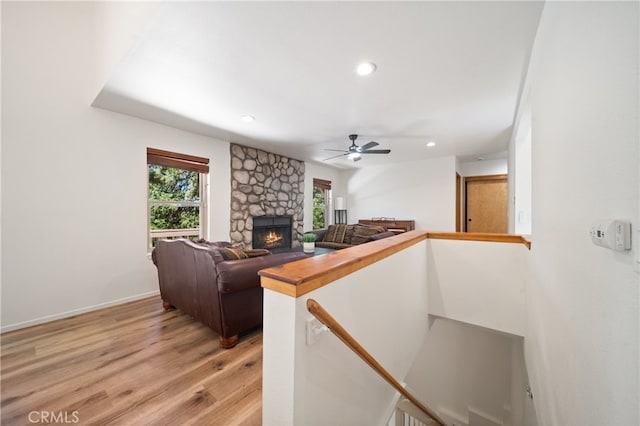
216	284
343	236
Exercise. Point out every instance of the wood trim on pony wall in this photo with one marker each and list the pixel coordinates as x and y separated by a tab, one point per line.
480	236
301	277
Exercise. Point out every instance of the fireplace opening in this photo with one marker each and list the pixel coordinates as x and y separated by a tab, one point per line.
272	233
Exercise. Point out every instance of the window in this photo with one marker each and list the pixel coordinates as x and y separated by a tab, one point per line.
176	195
321	201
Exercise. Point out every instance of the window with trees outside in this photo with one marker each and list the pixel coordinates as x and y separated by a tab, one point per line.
177	195
321	203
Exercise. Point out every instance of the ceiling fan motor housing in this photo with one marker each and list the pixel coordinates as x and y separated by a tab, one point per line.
354	148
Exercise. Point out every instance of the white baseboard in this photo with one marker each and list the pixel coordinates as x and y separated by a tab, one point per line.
79	311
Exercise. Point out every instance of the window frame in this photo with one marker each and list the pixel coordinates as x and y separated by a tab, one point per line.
325	186
184	162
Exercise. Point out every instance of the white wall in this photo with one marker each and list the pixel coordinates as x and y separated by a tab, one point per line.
421	190
496	166
520	167
474	286
74	183
582	338
479	282
326	382
462	366
522	182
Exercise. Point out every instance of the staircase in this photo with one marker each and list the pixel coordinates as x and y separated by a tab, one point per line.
407	414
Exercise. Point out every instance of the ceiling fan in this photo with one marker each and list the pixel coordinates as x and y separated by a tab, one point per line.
354	152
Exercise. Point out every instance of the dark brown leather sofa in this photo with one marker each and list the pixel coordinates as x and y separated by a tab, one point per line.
343	236
225	295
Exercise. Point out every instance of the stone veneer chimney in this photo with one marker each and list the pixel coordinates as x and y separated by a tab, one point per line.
263	183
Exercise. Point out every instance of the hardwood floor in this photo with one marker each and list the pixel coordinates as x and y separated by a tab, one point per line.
131	364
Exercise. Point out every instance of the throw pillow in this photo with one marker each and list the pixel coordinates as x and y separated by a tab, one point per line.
229	253
348	236
330	234
335	233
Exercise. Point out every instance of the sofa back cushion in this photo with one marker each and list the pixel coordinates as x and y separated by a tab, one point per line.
351	234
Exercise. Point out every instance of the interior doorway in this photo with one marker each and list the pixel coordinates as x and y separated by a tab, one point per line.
486	204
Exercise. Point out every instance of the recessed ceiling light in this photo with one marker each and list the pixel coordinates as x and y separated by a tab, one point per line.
431	144
480	158
248	118
365	68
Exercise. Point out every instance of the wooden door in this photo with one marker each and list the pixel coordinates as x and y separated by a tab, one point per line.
486	204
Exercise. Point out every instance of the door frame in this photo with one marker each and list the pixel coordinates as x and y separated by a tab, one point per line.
486	178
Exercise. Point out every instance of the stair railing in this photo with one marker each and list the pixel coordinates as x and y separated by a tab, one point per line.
334	326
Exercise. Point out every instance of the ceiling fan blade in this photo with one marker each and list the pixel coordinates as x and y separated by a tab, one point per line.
368	145
335	156
376	151
336	150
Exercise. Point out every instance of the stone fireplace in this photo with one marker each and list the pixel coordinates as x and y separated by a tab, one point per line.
264	184
272	232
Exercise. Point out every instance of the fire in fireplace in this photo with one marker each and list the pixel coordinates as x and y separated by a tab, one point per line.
272	232
273	239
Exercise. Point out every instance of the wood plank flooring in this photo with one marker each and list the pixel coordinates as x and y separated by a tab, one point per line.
132	364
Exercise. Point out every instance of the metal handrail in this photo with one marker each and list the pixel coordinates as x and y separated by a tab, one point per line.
325	318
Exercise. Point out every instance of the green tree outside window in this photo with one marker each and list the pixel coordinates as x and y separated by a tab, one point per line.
174	199
319	208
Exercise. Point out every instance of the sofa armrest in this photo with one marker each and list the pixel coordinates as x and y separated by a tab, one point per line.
381	235
319	233
238	275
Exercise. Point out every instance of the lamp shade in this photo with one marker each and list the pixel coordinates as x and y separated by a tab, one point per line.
339	204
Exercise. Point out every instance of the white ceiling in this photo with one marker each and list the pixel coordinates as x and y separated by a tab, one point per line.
450	72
